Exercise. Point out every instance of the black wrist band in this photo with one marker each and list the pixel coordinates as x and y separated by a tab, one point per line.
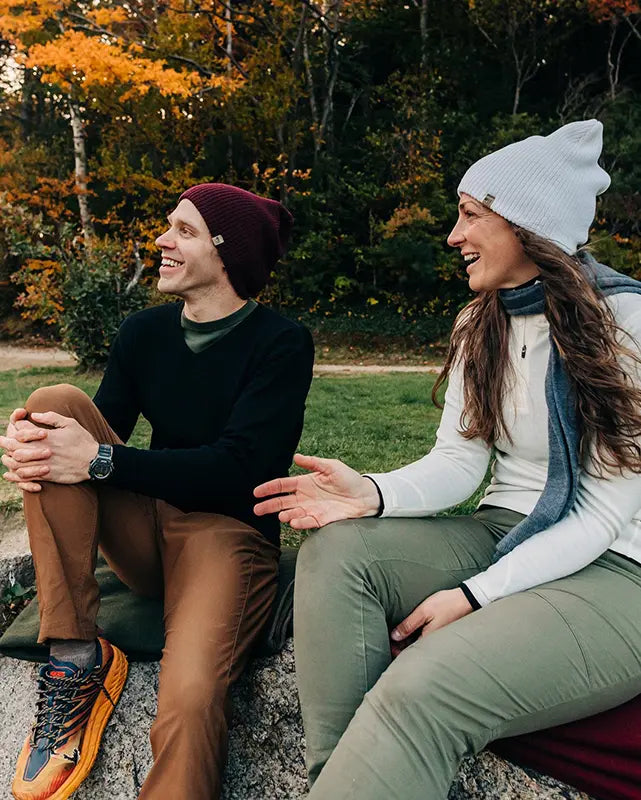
470	597
381	502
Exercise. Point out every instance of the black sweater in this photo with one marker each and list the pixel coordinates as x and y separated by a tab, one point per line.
223	420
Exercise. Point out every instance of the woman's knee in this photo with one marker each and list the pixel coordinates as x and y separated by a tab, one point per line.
333	548
437	684
62	398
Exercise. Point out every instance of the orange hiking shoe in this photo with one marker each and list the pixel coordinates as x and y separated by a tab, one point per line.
73	710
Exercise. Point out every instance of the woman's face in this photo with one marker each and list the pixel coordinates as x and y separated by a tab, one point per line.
494	257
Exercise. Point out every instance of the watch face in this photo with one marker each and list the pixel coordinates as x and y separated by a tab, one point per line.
102	468
102	465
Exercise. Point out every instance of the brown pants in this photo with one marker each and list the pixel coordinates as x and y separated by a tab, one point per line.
218	578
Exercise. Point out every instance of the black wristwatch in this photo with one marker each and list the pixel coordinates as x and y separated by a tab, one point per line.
102	465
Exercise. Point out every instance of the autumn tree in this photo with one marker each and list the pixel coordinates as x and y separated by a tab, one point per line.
360	115
93	57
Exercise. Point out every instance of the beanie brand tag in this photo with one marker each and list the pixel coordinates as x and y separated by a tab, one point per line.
217	239
488	200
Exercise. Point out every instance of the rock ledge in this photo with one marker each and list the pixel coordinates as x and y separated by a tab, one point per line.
266	741
266	738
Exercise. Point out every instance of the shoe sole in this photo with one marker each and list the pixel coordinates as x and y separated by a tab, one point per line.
102	710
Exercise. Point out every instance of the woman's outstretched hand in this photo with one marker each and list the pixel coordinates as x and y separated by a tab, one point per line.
332	491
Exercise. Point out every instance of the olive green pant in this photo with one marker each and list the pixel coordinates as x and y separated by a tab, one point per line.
378	728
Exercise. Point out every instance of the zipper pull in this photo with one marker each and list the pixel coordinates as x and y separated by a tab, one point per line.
523	351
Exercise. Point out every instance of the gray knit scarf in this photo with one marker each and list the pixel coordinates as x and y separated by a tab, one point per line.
562	480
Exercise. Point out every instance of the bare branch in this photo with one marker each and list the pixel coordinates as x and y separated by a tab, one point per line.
634	26
137	272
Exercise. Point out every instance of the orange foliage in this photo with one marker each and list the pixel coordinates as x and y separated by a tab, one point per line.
49	197
42	297
604	10
404	216
108	16
77	61
17	18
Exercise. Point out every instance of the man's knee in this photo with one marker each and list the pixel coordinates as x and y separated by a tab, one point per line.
62	398
192	695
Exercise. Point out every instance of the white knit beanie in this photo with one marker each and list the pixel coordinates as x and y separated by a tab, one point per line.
545	184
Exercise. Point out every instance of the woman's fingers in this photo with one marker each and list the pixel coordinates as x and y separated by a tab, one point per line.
304	523
282	485
273	505
288	511
291	513
313	463
277	486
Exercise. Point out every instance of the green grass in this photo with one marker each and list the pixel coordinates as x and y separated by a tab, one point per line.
373	423
17	385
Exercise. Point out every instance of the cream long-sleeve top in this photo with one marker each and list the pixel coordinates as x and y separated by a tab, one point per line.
606	513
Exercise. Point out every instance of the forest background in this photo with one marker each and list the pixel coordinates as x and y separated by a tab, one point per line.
359	115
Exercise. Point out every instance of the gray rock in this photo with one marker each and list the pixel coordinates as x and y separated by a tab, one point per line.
488	777
265	748
16	565
266	736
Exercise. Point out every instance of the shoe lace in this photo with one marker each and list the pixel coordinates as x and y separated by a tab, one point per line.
57	699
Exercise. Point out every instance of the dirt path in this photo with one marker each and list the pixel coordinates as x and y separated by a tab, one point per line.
15	357
370	369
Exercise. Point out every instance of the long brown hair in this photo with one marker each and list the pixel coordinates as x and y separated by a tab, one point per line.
585	333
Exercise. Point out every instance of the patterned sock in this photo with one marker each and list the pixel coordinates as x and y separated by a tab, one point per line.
77	651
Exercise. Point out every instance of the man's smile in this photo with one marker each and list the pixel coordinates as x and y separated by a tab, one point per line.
168	265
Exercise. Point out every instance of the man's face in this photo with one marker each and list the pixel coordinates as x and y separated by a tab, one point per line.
190	266
494	257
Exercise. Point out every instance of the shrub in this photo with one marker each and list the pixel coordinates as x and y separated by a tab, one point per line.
33	253
96	299
371	323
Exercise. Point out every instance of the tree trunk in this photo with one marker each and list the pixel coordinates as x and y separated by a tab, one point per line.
311	91
614	59
517	96
424	34
230	53
80	156
614	24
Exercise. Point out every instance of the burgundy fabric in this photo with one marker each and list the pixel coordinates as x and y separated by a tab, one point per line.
600	755
254	230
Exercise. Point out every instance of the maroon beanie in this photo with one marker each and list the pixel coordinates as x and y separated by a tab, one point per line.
249	232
